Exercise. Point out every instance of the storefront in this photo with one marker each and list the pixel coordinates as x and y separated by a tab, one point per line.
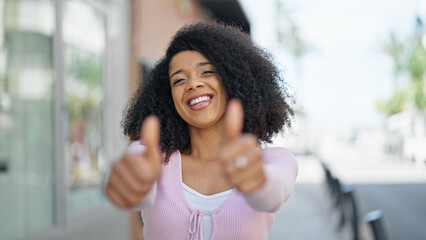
63	85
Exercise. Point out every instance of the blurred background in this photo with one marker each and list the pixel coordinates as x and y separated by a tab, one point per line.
356	69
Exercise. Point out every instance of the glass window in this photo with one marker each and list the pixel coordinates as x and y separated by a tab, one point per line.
26	117
84	43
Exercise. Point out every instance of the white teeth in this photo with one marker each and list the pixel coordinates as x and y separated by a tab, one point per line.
198	99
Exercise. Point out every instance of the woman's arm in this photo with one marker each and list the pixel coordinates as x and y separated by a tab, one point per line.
266	179
280	168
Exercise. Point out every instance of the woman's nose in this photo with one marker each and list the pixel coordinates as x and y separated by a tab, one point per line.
194	83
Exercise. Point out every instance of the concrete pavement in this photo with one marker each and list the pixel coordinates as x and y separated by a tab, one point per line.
308	214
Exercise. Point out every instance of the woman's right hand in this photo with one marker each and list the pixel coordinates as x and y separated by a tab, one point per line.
132	176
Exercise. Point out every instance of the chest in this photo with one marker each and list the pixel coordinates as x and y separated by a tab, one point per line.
171	217
205	177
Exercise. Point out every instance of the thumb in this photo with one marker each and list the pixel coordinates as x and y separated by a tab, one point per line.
234	119
150	134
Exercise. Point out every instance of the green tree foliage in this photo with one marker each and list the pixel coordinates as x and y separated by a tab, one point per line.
394	105
395	49
84	88
409	57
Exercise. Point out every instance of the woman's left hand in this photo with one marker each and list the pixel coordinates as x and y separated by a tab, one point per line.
240	155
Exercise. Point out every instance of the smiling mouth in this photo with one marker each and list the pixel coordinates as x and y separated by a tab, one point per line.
199	100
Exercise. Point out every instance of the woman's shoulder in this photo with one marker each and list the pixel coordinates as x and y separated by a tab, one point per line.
276	150
274	153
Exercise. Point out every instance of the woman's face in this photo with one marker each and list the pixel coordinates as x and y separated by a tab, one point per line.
197	92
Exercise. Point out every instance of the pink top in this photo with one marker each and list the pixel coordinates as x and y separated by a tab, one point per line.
167	215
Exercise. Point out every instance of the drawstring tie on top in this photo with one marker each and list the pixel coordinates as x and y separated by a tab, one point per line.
196	225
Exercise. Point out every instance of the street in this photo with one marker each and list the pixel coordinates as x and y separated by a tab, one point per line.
309	214
403	206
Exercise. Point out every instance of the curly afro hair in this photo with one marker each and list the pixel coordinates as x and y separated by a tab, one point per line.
247	73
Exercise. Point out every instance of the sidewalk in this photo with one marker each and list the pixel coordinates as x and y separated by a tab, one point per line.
308	213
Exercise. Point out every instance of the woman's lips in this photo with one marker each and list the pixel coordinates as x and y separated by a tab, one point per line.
202	104
198	98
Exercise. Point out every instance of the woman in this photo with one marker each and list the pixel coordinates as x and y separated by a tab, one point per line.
195	171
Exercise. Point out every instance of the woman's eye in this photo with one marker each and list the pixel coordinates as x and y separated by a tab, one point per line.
177	81
207	72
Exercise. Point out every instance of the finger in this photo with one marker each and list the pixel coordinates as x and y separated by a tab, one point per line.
150	134
231	151
119	189
129	172
250	178
115	198
234	119
250	185
130	197
253	167
141	170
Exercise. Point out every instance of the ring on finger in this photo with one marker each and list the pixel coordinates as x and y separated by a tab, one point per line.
241	162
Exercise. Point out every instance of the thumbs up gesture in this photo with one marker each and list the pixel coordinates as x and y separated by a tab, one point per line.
132	176
240	156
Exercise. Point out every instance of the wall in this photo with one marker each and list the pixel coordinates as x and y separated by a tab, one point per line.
153	23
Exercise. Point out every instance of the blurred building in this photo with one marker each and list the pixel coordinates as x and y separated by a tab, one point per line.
407	137
63	83
67	69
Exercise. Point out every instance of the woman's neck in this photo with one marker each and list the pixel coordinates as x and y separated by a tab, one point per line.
206	142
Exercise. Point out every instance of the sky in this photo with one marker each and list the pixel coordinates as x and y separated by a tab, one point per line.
338	82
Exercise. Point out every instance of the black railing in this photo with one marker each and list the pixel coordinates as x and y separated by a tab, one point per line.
374	219
344	202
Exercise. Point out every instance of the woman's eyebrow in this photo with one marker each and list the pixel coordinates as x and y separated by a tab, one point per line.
178	71
199	65
203	64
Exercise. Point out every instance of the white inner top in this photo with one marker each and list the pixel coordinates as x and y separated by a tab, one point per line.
206	204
